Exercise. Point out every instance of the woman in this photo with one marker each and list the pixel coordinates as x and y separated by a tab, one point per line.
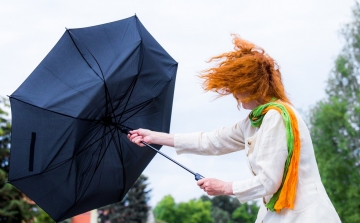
274	137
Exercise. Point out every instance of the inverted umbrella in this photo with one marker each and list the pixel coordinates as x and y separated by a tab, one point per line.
68	153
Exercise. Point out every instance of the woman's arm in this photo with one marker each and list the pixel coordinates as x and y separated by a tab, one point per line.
221	141
151	137
218	142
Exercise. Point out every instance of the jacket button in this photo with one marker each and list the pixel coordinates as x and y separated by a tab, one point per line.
249	142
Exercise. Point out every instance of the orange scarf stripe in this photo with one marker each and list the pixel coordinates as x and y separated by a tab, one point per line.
288	192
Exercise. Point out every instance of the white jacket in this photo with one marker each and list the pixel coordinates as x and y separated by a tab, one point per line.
266	149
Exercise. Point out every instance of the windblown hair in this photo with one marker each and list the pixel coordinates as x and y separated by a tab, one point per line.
246	70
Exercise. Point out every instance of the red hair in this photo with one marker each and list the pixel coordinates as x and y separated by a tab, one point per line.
246	70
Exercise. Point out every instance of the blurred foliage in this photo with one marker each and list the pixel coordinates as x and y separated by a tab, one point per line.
194	211
335	127
228	209
132	209
246	213
5	128
220	216
219	209
14	207
225	203
43	217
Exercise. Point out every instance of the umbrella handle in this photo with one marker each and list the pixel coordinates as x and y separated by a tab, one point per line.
124	129
198	176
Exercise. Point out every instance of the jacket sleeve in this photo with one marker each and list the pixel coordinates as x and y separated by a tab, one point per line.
271	153
218	142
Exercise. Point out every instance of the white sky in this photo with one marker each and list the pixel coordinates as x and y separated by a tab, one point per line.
301	35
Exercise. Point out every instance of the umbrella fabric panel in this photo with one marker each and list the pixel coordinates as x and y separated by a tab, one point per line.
30	123
154	47
108	43
62	82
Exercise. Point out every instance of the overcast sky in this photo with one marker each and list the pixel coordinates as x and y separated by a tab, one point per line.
302	36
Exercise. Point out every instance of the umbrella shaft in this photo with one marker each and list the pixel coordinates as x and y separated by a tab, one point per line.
167	157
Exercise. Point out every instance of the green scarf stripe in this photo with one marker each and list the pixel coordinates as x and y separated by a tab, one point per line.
256	119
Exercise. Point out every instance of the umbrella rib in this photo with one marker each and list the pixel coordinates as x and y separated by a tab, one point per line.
108	144
124	112
131	91
120	154
57	77
107	94
98	127
140	105
100	148
139	69
96	167
92	155
131	86
55	112
88	146
100	158
122	39
136	112
71	37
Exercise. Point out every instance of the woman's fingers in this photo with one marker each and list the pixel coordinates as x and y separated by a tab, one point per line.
212	186
201	181
137	139
140	135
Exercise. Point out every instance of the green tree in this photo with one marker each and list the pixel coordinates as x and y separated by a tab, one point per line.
166	209
5	128
220	216
13	205
194	211
246	213
132	209
228	209
335	127
226	203
43	217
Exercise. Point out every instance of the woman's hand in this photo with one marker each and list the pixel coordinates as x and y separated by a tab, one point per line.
150	137
140	135
215	187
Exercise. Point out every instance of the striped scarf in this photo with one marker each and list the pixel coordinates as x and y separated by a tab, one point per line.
285	196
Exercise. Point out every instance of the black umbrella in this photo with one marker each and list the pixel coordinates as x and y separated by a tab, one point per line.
68	153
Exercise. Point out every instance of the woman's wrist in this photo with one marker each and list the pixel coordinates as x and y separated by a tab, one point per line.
228	188
162	138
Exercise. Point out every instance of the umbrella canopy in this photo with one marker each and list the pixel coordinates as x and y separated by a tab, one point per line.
68	153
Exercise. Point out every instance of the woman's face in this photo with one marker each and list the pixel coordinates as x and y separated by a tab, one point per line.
246	105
